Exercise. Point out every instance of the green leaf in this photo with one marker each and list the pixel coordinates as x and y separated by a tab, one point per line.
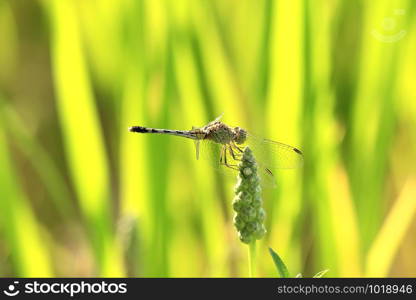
280	265
320	274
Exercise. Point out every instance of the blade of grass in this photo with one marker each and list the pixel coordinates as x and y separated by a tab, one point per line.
337	243
320	274
192	100
28	252
81	130
134	182
283	120
219	75
387	242
346	232
280	265
371	134
42	162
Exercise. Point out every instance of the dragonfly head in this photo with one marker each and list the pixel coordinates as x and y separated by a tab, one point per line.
240	135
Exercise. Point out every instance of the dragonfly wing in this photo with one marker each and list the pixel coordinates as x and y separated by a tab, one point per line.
213	153
268	179
210	152
197	142
217	119
275	155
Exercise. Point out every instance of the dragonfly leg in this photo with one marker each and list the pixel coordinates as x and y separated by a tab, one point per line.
235	156
224	159
234	145
221	155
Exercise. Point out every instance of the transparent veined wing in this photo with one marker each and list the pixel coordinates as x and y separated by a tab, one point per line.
212	152
275	155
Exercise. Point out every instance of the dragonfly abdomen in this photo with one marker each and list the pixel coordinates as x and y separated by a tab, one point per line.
182	133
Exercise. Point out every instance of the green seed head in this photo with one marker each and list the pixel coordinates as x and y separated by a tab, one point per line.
239	223
245	238
261	215
237	205
259	232
248	213
247	203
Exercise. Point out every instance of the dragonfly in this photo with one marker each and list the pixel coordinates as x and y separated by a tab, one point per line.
223	146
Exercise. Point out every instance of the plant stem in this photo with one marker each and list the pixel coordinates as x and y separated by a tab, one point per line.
252	259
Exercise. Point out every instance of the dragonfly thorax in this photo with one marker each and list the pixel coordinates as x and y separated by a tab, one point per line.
240	135
223	134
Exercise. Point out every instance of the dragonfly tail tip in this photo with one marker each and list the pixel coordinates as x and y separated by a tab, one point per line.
137	129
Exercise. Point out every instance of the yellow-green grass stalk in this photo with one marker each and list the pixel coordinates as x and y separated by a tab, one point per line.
102	24
406	91
381	257
406	106
263	57
373	118
134	183
45	167
118	74
316	144
335	243
9	37
158	159
318	140
21	230
383	250
191	223
243	50
84	144
155	64
193	107
283	113
219	78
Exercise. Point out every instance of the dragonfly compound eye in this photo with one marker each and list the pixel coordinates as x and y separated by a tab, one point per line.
240	135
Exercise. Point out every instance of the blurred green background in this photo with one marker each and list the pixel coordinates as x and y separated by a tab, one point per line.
82	196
